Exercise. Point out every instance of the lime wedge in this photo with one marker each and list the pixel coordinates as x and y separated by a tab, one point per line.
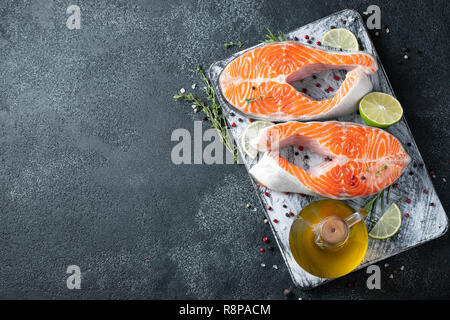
340	38
250	133
388	225
380	110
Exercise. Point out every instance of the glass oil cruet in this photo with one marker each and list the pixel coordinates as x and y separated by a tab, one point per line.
328	238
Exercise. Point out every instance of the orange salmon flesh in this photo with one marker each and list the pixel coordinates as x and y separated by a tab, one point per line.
360	160
259	82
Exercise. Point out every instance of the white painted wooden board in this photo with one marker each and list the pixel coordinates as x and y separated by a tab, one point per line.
425	222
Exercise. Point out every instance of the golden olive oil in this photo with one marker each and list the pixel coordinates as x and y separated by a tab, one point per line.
326	262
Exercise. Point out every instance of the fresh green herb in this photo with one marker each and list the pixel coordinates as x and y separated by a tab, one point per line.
371	206
232	44
256	99
270	37
213	112
389	192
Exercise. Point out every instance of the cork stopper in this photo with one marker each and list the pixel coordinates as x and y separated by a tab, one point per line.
334	230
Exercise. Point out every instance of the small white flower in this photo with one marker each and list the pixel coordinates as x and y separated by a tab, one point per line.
387	30
263	265
386	265
391	276
194	85
351	19
194	106
182	90
402	268
275	266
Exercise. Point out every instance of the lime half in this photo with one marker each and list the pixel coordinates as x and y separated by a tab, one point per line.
249	136
340	38
380	110
388	225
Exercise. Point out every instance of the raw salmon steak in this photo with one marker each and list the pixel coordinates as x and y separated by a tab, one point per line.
357	160
259	82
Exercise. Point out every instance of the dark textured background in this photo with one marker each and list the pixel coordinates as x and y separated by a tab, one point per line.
86	177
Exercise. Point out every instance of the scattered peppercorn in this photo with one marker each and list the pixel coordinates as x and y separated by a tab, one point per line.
317	85
302	195
291	214
205	118
253	88
301	148
306	37
425	191
266	194
232	114
332	27
406	215
408	200
266	240
275	220
415	165
319	43
306	157
250	120
262	250
330	89
240	120
296	153
336	78
287	214
314	76
269	208
309	41
287	293
363	178
233	124
411	173
395	185
295	38
431	204
284	206
304	90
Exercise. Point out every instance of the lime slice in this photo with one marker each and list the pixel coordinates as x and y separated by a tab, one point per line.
251	132
388	225
340	38
380	110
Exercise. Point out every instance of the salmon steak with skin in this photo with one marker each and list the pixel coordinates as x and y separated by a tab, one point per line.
358	160
259	82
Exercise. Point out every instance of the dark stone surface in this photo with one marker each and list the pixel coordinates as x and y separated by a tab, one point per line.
86	177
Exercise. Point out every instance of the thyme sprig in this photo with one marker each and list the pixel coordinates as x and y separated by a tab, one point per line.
232	44
213	112
371	205
270	37
249	100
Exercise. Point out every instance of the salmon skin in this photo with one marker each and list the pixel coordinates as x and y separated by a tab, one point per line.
358	160
259	82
